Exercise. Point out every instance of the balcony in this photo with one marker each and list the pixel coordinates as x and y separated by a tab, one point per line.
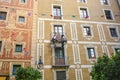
60	62
58	40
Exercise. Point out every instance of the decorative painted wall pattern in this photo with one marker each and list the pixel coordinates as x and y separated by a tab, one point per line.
15	36
16	3
5	67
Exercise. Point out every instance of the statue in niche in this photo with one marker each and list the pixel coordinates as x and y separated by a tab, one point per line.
8	46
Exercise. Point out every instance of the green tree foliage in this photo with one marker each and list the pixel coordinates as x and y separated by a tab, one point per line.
106	68
28	74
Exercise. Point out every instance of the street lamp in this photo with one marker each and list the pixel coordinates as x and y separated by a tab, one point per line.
40	63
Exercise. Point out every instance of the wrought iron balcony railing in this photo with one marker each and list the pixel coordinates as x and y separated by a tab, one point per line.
60	61
58	40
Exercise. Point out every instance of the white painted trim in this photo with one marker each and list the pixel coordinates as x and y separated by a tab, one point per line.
86	66
91	30
85	42
79	21
114	38
87	11
113	43
61	10
47	66
113	19
91	46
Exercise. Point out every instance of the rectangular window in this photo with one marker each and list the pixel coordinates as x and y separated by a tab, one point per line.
60	75
5	0
18	48
119	3
21	19
104	2
113	32
57	12
0	46
23	1
3	15
87	31
117	50
83	13
59	56
108	14
82	1
91	53
15	67
58	29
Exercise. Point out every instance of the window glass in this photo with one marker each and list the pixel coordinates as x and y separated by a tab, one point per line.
0	45
60	75
21	19
108	14
57	12
83	13
87	31
18	48
3	15
15	67
113	32
117	50
22	1
105	2
91	53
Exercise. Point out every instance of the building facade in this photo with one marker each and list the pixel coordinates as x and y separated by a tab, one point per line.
16	22
72	34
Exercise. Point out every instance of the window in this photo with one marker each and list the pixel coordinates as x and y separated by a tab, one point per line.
5	0
113	32
117	50
15	67
83	13
60	75
87	31
91	53
21	19
104	2
57	12
3	15
119	3
18	48
58	29
0	45
59	56
22	1
82	1
108	14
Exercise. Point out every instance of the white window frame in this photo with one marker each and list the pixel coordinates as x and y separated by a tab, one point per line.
102	2
82	1
67	77
95	50
116	27
18	53
88	15
111	15
19	21
8	1
53	10
91	30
